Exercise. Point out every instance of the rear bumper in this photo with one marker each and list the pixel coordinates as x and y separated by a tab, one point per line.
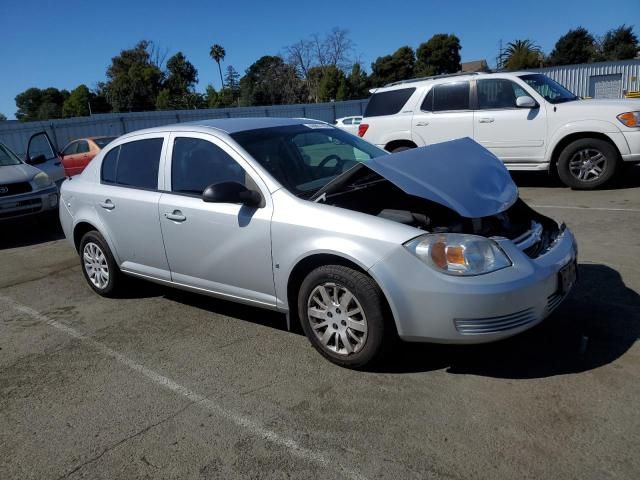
429	306
29	203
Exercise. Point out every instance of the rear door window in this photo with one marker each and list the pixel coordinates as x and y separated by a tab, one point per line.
134	164
451	96
388	103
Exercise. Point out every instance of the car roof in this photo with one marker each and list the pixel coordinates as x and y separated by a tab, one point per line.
229	125
420	82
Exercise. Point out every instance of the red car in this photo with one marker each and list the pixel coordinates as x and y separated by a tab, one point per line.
78	153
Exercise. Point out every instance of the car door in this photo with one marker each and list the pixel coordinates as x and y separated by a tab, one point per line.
69	160
219	247
42	153
444	114
513	134
126	200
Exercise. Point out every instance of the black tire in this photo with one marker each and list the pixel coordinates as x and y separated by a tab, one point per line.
114	284
380	329
401	148
571	153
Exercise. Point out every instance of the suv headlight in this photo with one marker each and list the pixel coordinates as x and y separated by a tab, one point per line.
458	254
629	119
41	180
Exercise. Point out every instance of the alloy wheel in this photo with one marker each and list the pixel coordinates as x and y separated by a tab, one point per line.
337	318
588	164
95	265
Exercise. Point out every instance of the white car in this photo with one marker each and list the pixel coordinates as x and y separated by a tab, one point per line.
526	119
348	124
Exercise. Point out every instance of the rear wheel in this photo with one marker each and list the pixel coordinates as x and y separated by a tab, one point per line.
342	313
98	265
401	148
587	163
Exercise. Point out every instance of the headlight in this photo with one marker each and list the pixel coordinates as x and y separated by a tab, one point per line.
630	119
457	254
41	180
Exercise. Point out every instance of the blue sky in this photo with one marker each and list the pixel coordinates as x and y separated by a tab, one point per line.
68	42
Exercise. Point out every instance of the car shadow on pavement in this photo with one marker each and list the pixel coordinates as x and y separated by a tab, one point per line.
629	177
595	325
24	232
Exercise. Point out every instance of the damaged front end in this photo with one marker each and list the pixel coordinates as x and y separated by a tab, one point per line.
456	187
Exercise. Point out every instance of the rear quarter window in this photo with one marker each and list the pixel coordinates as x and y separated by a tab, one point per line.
388	103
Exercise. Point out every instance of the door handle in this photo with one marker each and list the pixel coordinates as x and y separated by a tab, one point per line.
176	216
422	124
107	204
486	120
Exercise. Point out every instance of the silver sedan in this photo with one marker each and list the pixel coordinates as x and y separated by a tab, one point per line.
358	245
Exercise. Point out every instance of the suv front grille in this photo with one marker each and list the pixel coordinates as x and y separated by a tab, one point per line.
14	188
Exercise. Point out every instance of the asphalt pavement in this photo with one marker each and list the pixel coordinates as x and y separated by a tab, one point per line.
168	384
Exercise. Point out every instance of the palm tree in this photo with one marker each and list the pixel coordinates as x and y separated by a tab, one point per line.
521	54
217	53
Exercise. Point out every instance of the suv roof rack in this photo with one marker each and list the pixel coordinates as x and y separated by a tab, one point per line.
434	77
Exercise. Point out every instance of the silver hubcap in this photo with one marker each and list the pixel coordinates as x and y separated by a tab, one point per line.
95	264
337	318
587	165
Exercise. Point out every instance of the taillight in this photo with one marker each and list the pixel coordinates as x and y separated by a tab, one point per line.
362	129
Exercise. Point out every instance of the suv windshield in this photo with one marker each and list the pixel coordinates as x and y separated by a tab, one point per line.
552	91
304	158
7	157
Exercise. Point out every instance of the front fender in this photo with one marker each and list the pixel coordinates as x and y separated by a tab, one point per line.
586	126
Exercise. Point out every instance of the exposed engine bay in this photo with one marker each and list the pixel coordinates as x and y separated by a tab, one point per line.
368	192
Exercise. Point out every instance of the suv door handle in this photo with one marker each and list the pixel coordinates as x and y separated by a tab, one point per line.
176	216
422	124
486	120
107	204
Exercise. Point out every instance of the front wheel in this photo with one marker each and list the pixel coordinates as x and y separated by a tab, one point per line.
587	163
343	314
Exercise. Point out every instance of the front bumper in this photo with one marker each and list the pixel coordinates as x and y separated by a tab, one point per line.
31	203
430	306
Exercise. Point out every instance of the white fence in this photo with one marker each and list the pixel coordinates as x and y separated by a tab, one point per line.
16	134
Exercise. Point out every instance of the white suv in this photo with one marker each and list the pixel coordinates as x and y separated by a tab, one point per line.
526	119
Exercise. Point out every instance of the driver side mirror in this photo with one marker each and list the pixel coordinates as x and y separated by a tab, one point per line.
231	192
526	102
37	160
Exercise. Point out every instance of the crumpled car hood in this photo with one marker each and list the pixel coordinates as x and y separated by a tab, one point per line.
460	174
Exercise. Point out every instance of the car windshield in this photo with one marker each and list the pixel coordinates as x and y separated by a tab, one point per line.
104	141
7	157
552	91
305	157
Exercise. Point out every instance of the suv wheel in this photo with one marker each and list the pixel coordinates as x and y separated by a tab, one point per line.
342	312
98	265
587	163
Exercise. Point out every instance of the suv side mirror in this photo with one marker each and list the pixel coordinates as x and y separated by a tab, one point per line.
526	102
37	160
231	192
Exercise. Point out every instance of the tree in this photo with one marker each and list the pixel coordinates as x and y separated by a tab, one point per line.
521	54
77	104
270	81
230	94
575	46
358	82
134	80
438	55
620	44
182	76
217	53
332	83
392	68
37	104
212	97
3	117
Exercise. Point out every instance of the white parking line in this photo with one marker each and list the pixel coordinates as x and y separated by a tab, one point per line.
242	421
568	207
